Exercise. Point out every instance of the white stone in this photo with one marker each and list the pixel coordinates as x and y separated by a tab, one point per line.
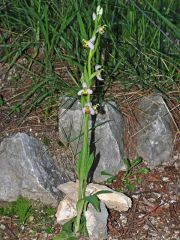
66	211
113	200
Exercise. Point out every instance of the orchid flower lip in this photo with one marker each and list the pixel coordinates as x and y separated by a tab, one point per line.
99	78
85	91
90	43
88	109
101	29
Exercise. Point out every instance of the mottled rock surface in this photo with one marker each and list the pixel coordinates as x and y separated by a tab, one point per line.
27	170
66	211
154	136
96	222
106	139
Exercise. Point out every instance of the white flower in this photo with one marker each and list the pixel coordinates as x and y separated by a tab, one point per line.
98	72
85	91
94	16
90	43
88	109
97	67
101	29
99	12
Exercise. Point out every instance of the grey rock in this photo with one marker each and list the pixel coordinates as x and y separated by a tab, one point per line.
27	170
96	222
154	136
106	139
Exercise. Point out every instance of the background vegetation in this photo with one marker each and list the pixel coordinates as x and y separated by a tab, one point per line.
140	47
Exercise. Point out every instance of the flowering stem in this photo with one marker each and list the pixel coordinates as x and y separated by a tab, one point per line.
89	62
83	180
86	159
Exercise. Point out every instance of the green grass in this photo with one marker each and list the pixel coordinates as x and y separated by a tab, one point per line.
25	209
21	208
140	46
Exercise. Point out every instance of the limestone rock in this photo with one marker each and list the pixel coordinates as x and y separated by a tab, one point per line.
96	222
154	135
70	189
27	170
66	211
113	200
107	137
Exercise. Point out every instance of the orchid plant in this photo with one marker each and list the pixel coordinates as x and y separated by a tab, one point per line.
91	72
89	75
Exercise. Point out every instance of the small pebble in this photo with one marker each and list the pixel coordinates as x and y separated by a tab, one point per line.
2	226
165	179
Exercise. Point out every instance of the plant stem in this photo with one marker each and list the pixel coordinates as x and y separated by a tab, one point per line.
83	180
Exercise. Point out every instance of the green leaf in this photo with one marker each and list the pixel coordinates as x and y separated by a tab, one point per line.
138	180
2	101
111	179
67	231
143	170
130	187
22	208
89	163
83	229
49	230
16	108
102	192
128	184
80	205
105	173
85	77
94	201
64	235
82	27
136	161
167	22
78	165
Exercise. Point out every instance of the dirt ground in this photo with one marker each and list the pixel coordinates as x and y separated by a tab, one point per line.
155	213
